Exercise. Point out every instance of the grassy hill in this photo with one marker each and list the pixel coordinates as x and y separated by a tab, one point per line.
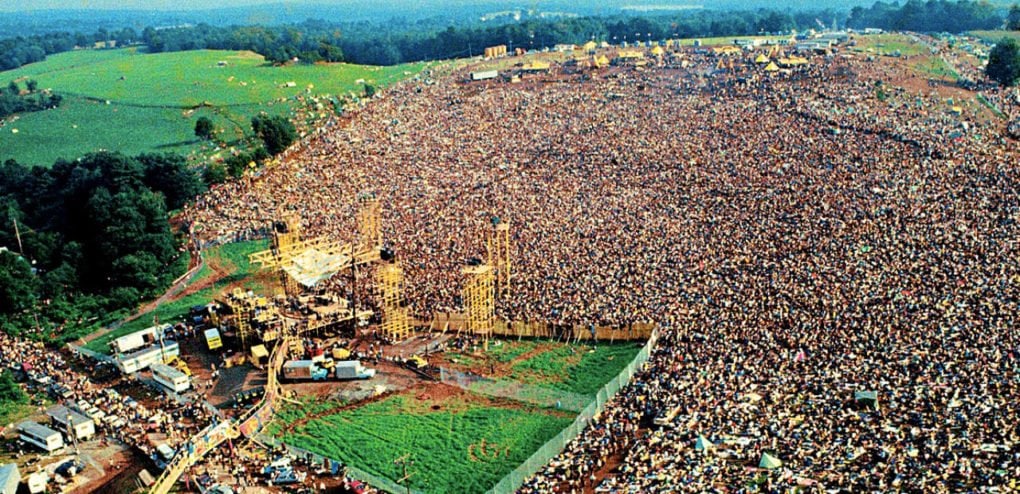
125	100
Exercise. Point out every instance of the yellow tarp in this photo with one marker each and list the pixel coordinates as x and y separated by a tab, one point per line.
589	46
658	51
259	351
761	59
771	67
536	65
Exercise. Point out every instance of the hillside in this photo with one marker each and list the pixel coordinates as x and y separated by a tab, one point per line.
133	102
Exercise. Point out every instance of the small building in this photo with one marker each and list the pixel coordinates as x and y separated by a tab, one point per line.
564	47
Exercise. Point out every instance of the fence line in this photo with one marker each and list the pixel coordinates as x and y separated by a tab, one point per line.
513	480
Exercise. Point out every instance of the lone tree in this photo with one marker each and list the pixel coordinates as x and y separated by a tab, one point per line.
369	91
204	128
276	132
1004	62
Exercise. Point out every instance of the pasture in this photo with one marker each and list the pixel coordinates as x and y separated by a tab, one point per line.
128	101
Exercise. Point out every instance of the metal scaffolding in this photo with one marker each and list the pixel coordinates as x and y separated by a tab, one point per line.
480	299
396	325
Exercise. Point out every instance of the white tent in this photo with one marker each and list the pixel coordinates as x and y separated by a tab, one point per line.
769	462
703	444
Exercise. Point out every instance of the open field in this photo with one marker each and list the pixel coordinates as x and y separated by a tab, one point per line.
231	268
132	102
887	44
995	36
459	443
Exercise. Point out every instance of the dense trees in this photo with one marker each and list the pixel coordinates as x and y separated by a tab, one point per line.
275	131
95	236
929	16
1013	19
1004	62
13	101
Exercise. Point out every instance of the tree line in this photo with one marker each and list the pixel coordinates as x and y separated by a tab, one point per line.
401	41
927	17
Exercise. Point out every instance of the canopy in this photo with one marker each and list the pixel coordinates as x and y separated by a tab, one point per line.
761	58
657	51
771	67
313	266
769	462
867	398
589	46
703	444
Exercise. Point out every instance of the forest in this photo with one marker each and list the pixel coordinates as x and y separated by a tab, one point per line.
86	238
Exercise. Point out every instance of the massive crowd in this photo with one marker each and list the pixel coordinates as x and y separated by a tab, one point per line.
798	238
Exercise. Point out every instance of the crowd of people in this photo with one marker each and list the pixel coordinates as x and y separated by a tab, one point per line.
798	238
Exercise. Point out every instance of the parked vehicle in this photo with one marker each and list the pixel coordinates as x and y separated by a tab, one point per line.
352	369
70	468
304	370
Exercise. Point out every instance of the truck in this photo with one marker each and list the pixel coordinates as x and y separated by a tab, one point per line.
352	369
304	370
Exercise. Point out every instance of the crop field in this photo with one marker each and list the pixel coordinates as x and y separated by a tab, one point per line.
132	102
459	443
230	258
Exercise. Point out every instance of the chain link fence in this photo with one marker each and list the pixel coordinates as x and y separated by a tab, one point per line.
513	481
586	406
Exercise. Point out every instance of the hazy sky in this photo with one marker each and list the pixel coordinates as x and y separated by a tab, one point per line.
16	5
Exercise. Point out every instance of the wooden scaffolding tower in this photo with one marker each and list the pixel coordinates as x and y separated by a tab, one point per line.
396	325
480	299
498	248
369	219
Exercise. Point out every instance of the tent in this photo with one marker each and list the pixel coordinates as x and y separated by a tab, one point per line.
703	444
769	462
866	398
771	67
761	58
657	51
590	46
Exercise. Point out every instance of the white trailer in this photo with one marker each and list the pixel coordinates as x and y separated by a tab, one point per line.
139	339
142	359
66	419
171	378
484	75
40	435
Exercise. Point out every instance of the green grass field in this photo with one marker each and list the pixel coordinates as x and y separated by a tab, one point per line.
132	102
995	36
936	67
576	368
464	444
887	44
233	257
581	369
